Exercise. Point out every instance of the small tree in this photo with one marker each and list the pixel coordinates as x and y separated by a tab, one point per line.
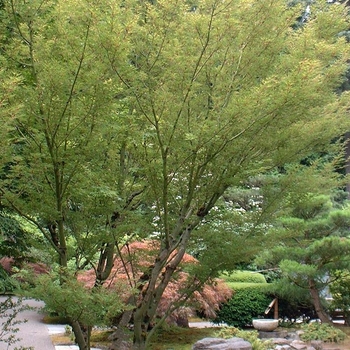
184	296
83	307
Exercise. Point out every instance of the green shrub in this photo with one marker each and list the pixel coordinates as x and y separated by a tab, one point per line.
245	304
322	331
7	283
245	285
244	276
250	336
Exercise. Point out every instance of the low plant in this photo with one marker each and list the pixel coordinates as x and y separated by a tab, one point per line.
250	336
68	330
321	331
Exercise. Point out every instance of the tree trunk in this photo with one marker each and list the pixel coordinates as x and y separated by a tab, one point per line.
82	335
140	340
105	263
347	161
158	278
119	337
320	311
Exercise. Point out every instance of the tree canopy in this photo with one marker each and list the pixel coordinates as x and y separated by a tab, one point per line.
137	117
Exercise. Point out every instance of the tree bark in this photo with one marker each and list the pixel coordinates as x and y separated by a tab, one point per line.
347	161
105	264
82	335
157	278
320	311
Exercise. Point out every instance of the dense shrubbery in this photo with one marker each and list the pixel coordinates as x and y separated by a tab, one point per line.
246	304
250	299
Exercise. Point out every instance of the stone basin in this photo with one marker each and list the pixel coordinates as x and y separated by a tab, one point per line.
265	324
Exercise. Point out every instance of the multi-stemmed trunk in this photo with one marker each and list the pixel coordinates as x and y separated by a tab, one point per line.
157	278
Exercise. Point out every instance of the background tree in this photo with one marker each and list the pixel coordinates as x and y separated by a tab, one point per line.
12	241
339	289
310	240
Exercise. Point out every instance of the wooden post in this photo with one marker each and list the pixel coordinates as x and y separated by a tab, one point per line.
274	305
275	311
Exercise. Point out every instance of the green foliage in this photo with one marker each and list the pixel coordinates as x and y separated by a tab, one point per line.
242	285
163	107
245	304
71	299
251	336
321	331
311	243
340	290
293	303
13	240
244	277
60	141
7	283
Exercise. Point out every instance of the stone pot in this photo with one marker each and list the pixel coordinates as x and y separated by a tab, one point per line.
265	324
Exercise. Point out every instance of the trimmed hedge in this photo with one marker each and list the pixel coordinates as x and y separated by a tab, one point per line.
266	287
245	304
244	277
